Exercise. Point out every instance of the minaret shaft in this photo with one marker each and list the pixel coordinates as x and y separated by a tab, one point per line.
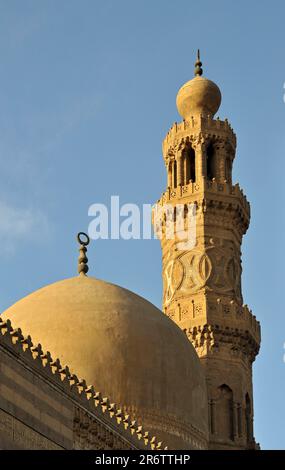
202	283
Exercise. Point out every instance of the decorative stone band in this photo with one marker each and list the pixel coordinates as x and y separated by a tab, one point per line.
194	438
211	187
231	314
85	395
223	200
239	341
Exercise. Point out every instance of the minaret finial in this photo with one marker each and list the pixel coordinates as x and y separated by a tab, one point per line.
198	69
83	260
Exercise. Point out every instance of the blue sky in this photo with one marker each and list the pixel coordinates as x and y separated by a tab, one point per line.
87	93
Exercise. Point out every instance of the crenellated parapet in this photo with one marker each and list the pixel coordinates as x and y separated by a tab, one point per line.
98	423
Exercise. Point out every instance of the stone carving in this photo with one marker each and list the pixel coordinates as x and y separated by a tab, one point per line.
215	268
90	434
239	342
173	275
198	309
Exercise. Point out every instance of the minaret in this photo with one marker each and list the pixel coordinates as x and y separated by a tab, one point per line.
202	280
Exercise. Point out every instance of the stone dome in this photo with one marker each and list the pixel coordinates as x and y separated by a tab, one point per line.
127	348
198	96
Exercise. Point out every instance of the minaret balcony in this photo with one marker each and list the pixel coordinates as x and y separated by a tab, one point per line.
198	127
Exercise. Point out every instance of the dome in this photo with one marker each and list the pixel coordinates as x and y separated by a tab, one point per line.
127	348
198	96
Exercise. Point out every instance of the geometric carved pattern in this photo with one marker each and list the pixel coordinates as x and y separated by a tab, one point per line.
215	268
173	278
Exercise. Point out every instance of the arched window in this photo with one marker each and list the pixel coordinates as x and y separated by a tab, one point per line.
192	164
189	165
225	421
210	155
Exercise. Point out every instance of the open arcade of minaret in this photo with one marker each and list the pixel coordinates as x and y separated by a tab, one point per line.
86	364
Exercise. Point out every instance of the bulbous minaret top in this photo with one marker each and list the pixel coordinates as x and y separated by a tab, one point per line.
198	96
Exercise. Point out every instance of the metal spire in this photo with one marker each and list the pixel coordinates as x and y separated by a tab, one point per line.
198	69
83	260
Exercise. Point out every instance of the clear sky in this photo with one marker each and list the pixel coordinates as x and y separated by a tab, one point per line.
87	93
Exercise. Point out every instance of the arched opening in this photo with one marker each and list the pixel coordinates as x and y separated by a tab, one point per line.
225	419
192	164
189	165
210	155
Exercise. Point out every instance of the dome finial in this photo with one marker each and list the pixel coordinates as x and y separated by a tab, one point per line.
83	260
198	69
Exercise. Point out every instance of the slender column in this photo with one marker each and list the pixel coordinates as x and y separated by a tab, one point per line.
200	161
213	416
221	164
235	420
239	411
210	415
169	174
229	170
173	173
186	166
179	169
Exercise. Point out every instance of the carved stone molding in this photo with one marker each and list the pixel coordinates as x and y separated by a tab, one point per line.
90	434
241	342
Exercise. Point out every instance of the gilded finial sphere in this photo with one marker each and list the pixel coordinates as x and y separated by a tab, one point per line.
199	96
